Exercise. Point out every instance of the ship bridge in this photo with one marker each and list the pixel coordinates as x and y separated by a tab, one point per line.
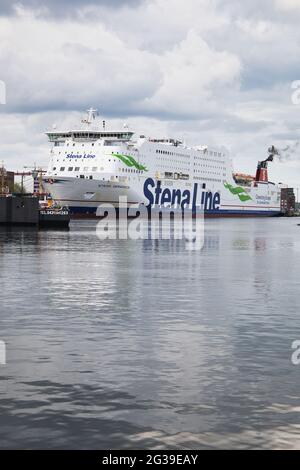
87	135
90	132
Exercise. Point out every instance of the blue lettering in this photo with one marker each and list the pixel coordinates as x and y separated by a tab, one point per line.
208	201
186	198
216	201
156	195
147	192
195	196
157	192
72	155
203	198
176	194
166	196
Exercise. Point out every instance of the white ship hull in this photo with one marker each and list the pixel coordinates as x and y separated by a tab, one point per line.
83	197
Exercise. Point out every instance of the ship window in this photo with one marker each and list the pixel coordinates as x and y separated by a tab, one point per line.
91	177
70	168
95	168
86	168
62	168
54	168
77	168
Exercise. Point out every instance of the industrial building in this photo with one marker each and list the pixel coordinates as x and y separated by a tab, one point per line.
7	181
288	201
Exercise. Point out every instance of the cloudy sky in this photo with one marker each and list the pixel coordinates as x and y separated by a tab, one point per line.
209	71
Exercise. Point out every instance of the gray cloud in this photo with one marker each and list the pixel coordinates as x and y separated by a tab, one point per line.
61	8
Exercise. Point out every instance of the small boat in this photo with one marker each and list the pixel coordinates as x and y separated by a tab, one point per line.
52	215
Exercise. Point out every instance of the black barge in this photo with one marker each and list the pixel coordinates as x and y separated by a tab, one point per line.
25	210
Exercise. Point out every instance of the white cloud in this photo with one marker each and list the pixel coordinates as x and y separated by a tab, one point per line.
70	64
157	25
262	31
288	5
194	77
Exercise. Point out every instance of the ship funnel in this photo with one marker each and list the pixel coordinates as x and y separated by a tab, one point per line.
262	167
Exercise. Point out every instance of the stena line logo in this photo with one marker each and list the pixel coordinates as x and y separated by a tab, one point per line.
85	155
196	197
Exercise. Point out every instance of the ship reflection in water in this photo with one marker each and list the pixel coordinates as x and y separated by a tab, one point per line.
143	344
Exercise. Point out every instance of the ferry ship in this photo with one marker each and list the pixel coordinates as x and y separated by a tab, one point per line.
94	165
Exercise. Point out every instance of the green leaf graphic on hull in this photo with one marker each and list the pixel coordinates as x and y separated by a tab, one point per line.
130	161
238	191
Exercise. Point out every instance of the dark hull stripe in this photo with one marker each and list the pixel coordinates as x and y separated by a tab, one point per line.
91	212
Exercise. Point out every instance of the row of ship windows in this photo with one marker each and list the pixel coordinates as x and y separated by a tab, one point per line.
210	172
204	171
112	178
211	160
211	166
59	144
106	143
175	160
130	170
195	163
201	178
90	136
215	174
220	168
181	176
173	164
165	152
75	160
163	164
79	154
77	168
95	169
211	153
174	168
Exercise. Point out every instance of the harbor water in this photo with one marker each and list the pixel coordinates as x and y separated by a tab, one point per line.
143	344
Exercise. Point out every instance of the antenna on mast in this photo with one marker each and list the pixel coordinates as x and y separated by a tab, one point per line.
91	116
